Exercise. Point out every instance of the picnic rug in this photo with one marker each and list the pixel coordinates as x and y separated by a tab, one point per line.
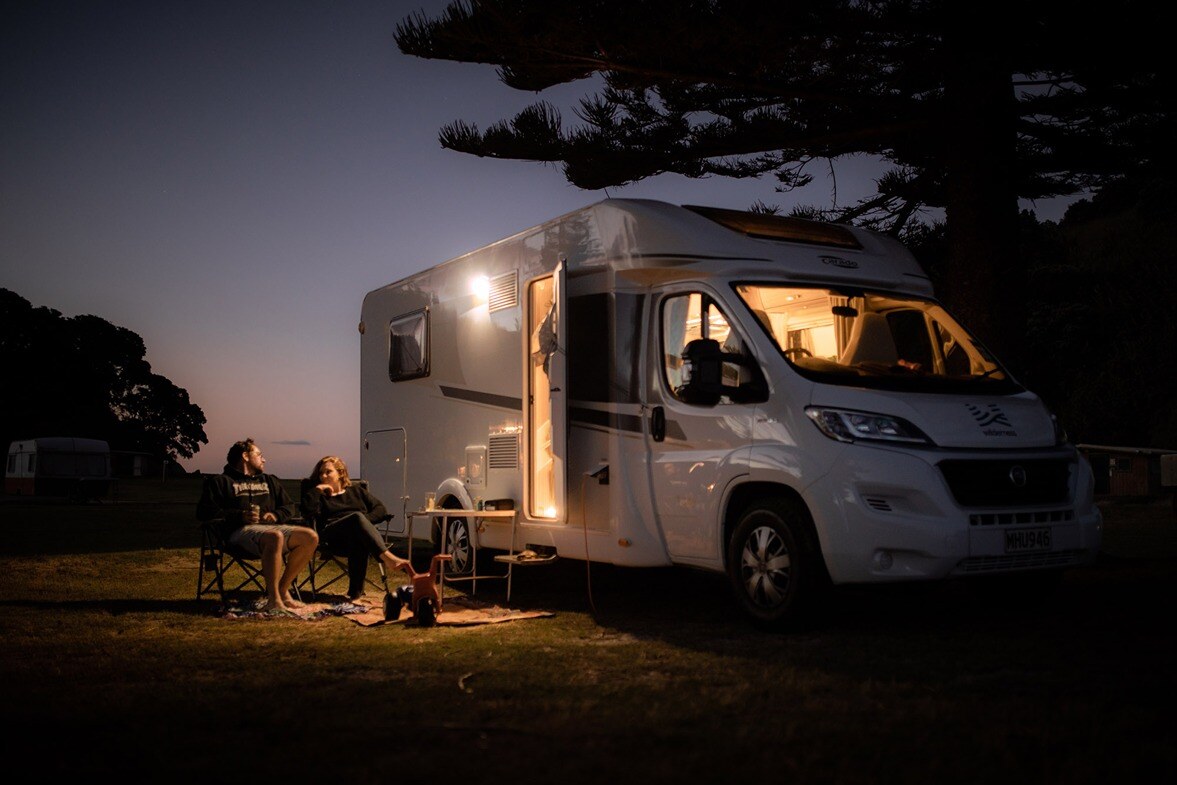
368	611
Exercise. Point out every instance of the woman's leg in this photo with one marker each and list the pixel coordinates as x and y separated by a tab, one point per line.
355	537
357	572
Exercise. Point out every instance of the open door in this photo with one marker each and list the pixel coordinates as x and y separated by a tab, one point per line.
546	401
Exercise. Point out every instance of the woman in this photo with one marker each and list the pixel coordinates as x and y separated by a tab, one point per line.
343	513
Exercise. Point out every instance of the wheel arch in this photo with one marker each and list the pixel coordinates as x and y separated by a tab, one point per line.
746	494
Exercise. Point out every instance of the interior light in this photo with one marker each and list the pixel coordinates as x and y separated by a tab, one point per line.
549	512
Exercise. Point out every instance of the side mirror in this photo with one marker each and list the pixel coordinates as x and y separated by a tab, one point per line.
702	372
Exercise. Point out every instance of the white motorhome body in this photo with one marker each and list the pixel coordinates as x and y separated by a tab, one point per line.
652	384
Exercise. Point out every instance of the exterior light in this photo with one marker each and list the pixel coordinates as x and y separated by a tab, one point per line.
481	287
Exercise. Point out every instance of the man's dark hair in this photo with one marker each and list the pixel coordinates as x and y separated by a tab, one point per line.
238	450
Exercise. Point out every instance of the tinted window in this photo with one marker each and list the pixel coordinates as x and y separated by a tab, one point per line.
408	346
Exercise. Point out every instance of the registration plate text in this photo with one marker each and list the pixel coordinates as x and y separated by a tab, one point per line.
1027	540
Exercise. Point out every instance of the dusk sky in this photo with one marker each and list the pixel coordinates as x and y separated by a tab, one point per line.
229	179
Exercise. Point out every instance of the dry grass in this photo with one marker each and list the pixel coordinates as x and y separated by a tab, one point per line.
112	668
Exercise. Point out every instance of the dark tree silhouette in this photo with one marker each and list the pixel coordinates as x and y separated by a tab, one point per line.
84	376
1101	332
975	105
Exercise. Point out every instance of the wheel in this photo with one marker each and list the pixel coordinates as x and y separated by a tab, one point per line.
426	612
461	547
392	607
774	564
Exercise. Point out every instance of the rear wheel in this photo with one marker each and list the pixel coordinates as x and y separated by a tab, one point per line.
461	547
774	564
426	612
392	607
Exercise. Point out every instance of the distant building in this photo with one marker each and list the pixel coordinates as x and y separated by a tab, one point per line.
1127	471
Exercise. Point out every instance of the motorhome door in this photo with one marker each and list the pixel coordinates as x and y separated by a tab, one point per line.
693	446
546	366
384	468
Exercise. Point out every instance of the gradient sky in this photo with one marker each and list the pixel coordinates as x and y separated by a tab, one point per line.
229	179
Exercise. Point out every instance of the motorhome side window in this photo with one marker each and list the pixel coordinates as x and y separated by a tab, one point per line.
408	346
693	316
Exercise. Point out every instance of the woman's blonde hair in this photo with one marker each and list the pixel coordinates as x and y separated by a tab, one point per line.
340	466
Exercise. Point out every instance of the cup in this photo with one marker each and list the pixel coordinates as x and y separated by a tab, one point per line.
253	514
430	500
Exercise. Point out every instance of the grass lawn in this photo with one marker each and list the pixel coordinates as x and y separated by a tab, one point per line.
111	667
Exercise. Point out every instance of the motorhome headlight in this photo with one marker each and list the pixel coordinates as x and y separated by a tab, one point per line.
847	425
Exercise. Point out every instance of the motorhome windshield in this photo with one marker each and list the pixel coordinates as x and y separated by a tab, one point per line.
872	339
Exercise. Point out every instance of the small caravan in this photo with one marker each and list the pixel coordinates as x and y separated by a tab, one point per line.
782	400
58	466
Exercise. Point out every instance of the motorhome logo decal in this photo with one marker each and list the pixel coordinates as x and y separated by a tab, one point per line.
992	420
838	261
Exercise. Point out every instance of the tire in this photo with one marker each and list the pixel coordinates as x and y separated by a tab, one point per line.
774	565
426	613
460	542
392	607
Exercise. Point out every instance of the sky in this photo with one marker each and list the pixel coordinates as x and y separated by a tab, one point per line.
229	179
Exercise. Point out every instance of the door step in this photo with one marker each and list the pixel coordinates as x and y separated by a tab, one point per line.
529	556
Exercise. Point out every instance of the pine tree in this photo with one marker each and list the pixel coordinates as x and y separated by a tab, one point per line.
974	106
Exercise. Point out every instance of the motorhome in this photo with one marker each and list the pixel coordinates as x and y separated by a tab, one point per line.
782	400
58	466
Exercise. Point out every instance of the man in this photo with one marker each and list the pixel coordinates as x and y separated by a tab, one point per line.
255	508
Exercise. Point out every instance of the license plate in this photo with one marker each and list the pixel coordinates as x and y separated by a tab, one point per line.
1027	540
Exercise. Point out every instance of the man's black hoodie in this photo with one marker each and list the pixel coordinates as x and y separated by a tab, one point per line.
229	494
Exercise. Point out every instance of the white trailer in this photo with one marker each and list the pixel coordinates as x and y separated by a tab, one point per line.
781	400
58	466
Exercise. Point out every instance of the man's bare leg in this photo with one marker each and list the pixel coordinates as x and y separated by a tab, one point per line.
271	568
302	541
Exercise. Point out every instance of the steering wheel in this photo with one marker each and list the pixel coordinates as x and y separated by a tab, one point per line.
801	350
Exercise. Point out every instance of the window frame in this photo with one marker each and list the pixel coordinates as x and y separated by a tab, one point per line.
399	373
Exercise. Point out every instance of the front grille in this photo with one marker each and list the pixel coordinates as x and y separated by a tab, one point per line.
1019	518
1020	561
1007	482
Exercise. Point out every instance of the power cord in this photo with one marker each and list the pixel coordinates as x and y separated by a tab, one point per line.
588	576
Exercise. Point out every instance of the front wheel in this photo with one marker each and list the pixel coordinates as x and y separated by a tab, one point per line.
774	564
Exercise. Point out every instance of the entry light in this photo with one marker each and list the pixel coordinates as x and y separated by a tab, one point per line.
549	512
481	287
846	425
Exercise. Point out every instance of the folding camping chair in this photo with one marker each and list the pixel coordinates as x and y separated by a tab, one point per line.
217	557
325	556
